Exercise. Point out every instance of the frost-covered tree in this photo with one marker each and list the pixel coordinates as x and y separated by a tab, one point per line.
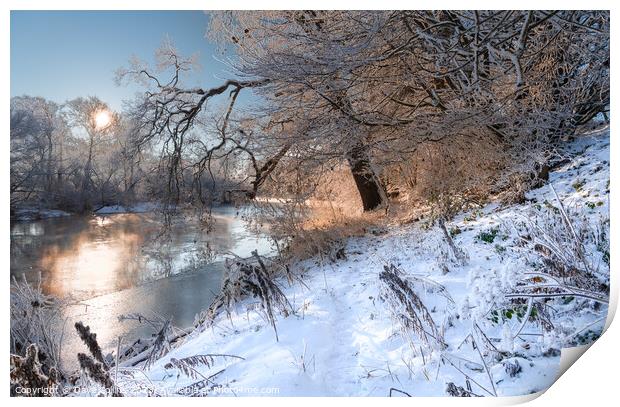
368	88
96	119
37	133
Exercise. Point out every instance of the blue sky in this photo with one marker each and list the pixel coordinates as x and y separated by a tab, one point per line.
61	55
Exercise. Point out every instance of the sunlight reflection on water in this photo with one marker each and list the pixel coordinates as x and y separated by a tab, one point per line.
82	257
120	264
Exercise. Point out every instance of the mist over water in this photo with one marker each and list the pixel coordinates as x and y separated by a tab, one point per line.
119	264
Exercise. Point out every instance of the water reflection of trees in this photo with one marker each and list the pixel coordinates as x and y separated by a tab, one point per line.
186	243
93	255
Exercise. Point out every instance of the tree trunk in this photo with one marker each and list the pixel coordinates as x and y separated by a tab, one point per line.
60	160
50	172
367	182
86	181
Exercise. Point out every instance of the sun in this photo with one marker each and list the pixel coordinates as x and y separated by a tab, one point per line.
102	119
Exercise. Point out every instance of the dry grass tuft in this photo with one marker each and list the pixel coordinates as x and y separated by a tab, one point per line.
36	318
95	367
26	373
409	312
248	277
99	374
571	253
90	340
188	366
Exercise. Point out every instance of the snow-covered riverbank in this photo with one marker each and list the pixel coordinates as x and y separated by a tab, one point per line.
141	207
30	214
345	337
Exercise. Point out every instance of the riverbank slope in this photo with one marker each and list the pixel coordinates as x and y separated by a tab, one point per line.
459	325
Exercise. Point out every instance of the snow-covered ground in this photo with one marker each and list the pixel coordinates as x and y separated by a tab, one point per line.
344	338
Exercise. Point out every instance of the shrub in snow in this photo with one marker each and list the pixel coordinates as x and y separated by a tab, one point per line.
37	319
408	311
554	339
488	288
26	373
99	374
189	366
512	368
458	391
245	278
439	245
570	245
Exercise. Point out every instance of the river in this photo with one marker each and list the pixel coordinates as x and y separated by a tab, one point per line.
112	265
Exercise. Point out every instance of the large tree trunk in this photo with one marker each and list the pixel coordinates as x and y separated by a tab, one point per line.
367	182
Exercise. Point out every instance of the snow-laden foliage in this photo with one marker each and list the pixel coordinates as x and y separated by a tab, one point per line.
409	312
36	319
415	104
27	373
244	278
488	288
